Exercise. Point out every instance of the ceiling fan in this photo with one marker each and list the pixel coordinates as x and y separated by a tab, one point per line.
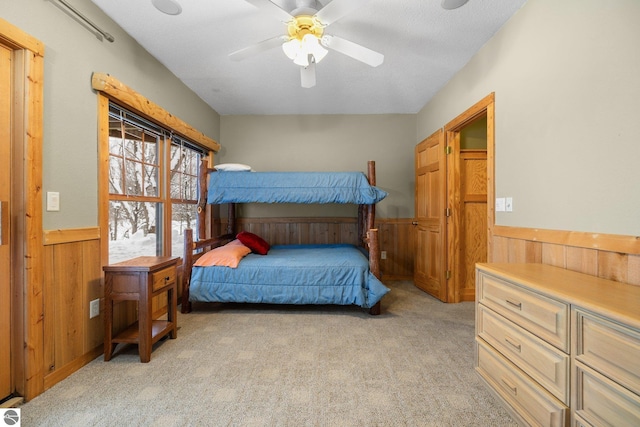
306	42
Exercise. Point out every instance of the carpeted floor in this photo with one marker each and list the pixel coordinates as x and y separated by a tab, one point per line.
238	365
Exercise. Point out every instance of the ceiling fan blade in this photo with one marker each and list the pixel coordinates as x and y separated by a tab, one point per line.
336	9
308	75
257	48
272	8
354	50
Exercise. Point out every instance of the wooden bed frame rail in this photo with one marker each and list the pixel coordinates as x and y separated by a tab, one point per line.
367	234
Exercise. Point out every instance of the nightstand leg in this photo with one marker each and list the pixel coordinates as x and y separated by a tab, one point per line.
144	333
108	328
172	313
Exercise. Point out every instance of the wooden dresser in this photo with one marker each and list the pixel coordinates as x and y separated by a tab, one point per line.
558	347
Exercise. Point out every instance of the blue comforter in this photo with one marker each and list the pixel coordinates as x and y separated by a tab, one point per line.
292	274
292	187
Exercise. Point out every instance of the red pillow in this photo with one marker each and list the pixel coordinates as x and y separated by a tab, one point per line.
254	242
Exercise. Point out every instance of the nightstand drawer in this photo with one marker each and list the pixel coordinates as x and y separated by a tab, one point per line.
540	315
540	360
535	405
611	349
163	278
601	402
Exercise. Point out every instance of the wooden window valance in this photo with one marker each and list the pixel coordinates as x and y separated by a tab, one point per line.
122	94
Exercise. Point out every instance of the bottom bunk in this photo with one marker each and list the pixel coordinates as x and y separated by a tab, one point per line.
336	274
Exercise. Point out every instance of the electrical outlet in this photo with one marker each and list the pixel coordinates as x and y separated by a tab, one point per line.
383	255
94	308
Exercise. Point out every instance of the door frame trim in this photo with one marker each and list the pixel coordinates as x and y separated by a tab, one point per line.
486	106
28	272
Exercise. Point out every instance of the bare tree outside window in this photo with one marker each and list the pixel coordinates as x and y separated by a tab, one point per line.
138	201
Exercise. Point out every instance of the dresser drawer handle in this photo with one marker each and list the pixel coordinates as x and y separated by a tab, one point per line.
510	386
166	279
513	344
517	305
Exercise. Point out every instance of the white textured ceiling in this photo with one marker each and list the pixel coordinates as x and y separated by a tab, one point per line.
423	44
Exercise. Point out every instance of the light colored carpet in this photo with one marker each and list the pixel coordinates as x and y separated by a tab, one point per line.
238	365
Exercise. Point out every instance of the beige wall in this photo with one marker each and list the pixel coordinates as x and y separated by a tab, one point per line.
565	77
564	74
72	54
326	143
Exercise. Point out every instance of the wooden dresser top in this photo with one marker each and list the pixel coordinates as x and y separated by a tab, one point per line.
617	300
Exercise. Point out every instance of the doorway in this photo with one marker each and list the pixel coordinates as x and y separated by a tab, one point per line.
454	221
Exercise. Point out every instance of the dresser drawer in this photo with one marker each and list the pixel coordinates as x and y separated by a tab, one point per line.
601	402
579	422
541	361
544	317
536	406
609	348
163	278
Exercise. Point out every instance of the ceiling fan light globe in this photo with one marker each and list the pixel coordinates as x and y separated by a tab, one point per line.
311	44
302	60
292	48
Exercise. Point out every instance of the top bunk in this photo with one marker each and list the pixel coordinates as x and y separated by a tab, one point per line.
241	185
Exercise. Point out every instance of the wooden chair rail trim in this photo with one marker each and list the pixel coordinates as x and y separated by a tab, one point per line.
604	242
55	237
120	92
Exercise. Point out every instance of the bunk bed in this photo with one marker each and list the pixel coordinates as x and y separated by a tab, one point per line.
244	268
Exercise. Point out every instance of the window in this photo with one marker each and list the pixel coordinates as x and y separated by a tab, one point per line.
184	159
153	187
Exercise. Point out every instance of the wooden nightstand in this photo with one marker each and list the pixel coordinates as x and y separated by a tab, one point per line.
140	279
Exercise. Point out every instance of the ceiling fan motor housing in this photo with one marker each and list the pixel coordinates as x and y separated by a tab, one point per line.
302	25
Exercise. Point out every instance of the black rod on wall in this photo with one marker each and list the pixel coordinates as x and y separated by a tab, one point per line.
78	16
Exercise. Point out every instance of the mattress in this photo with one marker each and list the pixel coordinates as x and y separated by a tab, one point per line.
292	187
292	274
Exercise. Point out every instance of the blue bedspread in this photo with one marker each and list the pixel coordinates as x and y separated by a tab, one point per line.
292	274
292	187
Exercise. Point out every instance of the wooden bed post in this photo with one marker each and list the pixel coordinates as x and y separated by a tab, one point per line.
202	199
362	225
231	219
186	270
374	262
372	234
371	209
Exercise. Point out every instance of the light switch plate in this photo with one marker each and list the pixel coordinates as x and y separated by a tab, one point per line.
53	201
508	204
500	204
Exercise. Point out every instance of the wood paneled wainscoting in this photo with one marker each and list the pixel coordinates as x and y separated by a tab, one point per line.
73	278
612	257
396	237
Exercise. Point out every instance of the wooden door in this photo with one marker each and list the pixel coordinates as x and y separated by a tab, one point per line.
5	236
467	226
430	202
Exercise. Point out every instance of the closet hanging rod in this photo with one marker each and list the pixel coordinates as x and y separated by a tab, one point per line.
99	33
